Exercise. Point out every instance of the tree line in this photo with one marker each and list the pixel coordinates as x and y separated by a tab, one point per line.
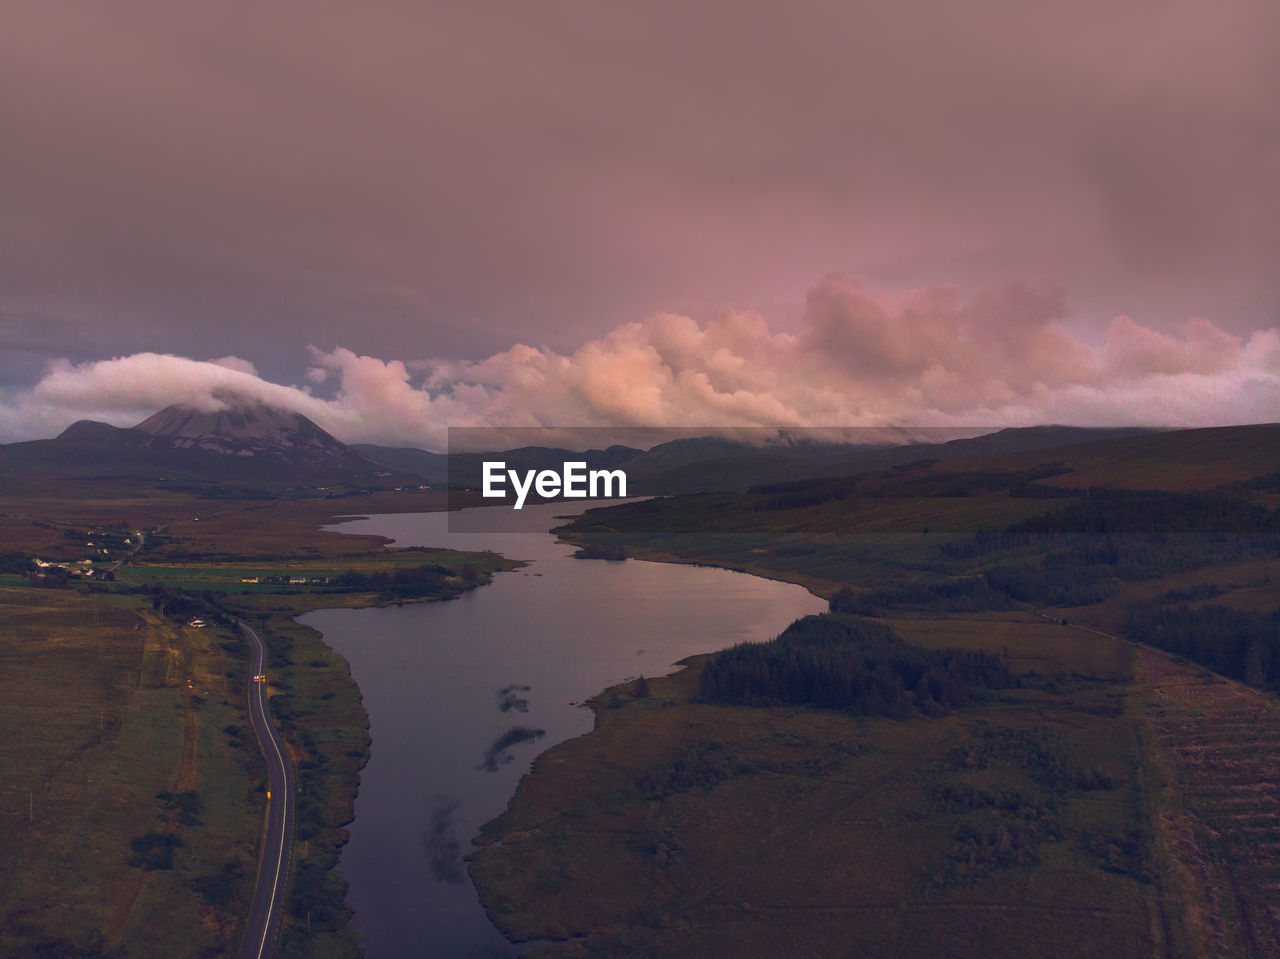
1241	644
1102	510
409	583
959	594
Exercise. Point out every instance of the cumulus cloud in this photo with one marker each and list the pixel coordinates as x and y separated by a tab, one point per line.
930	358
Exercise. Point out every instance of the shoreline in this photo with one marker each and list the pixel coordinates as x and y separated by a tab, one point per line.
330	747
694	644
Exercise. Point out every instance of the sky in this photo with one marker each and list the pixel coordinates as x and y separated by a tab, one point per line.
398	216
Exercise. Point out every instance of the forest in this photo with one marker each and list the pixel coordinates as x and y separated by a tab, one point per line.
1241	644
1103	510
845	662
417	582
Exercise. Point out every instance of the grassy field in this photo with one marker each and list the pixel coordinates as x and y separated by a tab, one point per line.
321	575
111	709
36	520
135	742
677	828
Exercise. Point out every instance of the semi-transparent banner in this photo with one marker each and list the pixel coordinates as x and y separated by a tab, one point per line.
764	481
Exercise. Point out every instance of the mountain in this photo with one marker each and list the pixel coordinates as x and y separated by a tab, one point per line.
252	431
249	445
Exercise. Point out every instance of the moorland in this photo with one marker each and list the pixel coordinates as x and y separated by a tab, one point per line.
1040	719
133	795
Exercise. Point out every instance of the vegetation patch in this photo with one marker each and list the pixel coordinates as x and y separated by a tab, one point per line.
837	661
1242	644
681	827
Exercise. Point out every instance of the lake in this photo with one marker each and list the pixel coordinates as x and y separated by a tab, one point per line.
444	682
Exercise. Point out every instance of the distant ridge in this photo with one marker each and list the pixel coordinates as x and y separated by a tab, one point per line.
433	467
725	464
255	446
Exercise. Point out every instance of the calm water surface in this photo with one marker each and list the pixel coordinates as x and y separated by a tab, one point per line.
432	676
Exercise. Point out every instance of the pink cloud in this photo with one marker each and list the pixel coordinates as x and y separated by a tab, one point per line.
1134	350
932	357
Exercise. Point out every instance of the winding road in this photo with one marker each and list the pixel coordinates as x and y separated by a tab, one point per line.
277	842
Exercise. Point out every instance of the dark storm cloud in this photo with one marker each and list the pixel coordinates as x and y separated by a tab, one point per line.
445	179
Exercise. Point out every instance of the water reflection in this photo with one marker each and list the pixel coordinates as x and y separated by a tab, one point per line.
508	699
499	751
444	849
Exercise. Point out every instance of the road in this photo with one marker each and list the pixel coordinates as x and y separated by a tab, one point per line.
277	844
1087	629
